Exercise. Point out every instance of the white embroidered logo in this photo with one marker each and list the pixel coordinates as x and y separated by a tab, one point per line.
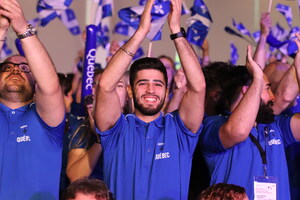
24	138
162	156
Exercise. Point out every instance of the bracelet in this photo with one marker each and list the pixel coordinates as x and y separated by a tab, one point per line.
127	52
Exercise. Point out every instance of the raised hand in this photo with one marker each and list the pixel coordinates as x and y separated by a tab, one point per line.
12	10
252	66
174	16
265	23
145	23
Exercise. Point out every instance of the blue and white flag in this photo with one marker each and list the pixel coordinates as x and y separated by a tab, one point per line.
50	9
123	28
198	23
69	19
241	28
104	9
185	10
34	22
159	14
6	51
279	32
256	36
287	12
234	56
102	35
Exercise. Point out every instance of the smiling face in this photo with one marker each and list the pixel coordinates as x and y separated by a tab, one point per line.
149	92
15	85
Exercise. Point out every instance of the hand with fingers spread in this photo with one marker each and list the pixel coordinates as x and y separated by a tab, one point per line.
254	69
174	16
12	10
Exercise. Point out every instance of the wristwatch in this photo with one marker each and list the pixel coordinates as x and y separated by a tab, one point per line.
30	31
182	33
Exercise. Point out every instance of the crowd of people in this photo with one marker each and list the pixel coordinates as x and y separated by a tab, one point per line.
209	130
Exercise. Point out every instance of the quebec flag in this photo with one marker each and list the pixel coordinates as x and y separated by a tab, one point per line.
69	19
234	56
123	28
104	9
159	13
241	28
287	12
50	9
198	23
6	51
102	35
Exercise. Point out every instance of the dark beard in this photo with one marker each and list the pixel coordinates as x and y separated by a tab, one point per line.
265	113
20	95
147	111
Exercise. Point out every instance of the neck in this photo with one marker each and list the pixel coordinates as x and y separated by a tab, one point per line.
146	118
14	105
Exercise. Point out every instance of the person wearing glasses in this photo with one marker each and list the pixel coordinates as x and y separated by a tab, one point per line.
31	130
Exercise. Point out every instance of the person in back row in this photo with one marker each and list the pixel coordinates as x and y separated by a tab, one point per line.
148	155
246	146
31	131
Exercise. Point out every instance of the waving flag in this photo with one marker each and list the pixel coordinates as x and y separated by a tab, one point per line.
256	36
286	11
241	28
234	56
104	10
102	35
159	13
123	28
69	19
279	32
198	23
50	9
6	51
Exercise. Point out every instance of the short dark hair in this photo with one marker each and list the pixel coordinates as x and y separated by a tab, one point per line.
236	77
87	186
147	63
65	81
223	191
215	73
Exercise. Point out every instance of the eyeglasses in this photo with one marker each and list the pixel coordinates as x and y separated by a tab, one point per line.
8	66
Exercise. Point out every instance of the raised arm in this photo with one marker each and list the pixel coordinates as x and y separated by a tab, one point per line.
295	121
4	25
244	113
260	51
191	109
108	108
49	97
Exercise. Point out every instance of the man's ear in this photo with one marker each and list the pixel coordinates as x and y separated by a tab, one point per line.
244	89
129	91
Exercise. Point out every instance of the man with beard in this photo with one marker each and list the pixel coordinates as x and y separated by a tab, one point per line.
31	133
246	147
147	155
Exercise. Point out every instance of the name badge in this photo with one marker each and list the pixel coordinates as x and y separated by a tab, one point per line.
265	188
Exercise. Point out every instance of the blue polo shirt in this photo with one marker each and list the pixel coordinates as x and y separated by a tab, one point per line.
148	160
239	164
30	155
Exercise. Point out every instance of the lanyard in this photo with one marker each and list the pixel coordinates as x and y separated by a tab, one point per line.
263	153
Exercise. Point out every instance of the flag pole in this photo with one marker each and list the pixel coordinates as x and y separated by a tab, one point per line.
270	5
150	49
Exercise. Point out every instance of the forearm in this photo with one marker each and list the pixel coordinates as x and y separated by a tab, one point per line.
190	65
286	91
174	103
84	166
243	117
260	52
